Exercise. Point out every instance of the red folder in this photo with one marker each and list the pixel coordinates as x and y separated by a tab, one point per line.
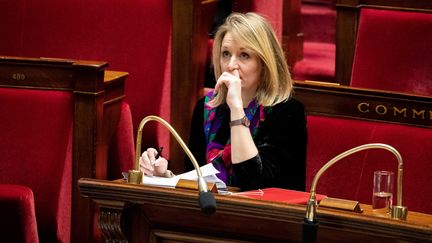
280	195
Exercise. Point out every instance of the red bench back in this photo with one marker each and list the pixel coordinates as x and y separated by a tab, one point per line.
352	177
36	149
393	51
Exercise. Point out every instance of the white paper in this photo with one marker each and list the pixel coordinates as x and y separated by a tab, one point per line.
160	181
214	179
208	171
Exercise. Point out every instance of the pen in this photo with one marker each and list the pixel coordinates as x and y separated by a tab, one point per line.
159	152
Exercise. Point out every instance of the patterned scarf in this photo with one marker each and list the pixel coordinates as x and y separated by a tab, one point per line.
220	154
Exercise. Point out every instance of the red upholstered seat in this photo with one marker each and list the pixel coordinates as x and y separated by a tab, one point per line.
17	210
393	51
122	149
351	178
36	152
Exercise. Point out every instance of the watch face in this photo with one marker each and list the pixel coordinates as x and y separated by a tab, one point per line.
245	121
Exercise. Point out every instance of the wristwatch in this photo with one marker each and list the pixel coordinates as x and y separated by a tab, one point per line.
242	121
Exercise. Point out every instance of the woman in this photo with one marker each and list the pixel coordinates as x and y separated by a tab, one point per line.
254	132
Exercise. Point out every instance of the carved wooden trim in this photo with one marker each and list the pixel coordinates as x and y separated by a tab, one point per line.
110	222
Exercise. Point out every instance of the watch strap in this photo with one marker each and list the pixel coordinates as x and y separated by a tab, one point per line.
242	121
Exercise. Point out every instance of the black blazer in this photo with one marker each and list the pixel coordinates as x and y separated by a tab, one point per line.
281	142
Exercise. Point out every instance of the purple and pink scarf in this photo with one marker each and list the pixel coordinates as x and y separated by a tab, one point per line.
220	154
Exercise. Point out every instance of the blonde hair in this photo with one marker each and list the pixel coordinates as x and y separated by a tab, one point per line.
256	34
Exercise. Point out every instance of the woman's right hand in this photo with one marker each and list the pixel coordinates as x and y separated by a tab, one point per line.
151	166
234	92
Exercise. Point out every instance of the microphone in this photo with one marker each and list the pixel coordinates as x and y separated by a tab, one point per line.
206	199
310	224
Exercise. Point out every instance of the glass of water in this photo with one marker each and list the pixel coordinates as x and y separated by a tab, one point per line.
382	198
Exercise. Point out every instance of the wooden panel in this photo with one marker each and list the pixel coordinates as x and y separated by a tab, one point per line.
364	104
36	73
172	236
292	35
346	30
191	24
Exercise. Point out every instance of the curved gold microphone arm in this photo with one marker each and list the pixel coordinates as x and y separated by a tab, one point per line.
137	174
206	199
398	211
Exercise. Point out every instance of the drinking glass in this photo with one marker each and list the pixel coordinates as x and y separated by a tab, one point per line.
382	191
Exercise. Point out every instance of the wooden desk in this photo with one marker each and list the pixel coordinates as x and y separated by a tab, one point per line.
138	213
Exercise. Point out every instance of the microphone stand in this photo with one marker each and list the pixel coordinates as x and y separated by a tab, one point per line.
206	198
310	224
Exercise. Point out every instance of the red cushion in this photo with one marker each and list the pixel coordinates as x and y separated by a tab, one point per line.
351	177
36	151
393	51
18	219
122	149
